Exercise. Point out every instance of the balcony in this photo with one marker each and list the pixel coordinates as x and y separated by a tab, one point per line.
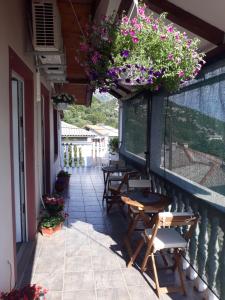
86	260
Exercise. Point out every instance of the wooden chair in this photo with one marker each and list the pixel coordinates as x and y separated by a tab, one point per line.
142	213
115	190
163	235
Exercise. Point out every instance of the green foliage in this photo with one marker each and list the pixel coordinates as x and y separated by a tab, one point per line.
63	98
196	129
144	50
114	144
99	112
51	221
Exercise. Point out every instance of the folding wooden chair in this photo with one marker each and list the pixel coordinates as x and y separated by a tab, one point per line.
163	235
115	190
140	214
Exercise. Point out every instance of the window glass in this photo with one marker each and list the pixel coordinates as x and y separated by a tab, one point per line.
135	123
194	135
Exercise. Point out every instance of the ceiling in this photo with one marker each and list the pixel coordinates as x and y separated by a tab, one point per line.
77	82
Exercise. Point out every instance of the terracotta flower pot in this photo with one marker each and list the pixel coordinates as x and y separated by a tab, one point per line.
49	231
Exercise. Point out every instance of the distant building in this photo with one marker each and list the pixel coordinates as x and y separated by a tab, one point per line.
85	146
77	146
101	141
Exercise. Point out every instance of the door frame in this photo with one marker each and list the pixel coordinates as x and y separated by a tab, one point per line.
17	65
24	218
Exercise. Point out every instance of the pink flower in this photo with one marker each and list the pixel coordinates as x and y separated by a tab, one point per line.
84	47
177	36
170	56
163	37
132	33
95	58
125	20
141	11
155	27
135	40
138	26
147	20
181	73
124	32
134	21
170	29
189	42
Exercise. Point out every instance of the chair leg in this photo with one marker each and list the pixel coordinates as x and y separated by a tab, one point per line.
180	272
136	252
155	274
145	260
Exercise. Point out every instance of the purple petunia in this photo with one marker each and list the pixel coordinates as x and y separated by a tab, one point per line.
125	53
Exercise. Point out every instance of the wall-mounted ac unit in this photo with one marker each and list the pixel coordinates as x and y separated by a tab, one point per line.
46	26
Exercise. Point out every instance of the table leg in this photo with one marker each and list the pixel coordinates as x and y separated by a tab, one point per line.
131	228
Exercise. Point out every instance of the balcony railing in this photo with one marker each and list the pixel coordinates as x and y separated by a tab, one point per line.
206	252
83	154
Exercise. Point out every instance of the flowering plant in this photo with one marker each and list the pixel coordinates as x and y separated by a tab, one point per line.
140	51
63	98
54	203
29	292
53	221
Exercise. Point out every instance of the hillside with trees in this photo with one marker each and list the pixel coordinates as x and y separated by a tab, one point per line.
104	112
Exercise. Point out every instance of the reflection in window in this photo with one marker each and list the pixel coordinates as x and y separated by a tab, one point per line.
135	122
195	135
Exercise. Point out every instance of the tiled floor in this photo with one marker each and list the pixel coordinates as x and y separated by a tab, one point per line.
84	261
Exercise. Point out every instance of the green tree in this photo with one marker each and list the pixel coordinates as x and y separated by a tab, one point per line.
105	112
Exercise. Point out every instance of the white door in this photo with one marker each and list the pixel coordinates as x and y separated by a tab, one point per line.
18	158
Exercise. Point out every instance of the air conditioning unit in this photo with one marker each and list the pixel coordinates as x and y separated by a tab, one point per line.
46	26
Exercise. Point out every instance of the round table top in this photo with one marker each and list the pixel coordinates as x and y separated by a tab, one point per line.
143	197
112	169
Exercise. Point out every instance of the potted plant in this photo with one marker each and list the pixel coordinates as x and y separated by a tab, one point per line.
65	176
114	148
144	51
51	224
28	292
53	203
61	101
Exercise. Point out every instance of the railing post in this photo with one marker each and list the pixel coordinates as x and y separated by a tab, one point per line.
212	264
202	249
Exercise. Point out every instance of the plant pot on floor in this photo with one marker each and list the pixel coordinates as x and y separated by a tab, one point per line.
51	230
60	185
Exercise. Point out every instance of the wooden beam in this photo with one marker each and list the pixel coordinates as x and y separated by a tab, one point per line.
115	94
215	54
185	19
78	80
124	89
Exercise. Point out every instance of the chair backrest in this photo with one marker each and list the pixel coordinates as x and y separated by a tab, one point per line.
174	219
139	184
118	163
124	181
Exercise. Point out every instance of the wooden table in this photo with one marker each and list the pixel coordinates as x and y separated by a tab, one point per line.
142	206
107	170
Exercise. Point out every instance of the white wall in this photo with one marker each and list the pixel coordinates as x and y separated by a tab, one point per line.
13	33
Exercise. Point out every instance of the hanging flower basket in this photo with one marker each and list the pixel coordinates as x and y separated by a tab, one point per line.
62	106
143	51
62	101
